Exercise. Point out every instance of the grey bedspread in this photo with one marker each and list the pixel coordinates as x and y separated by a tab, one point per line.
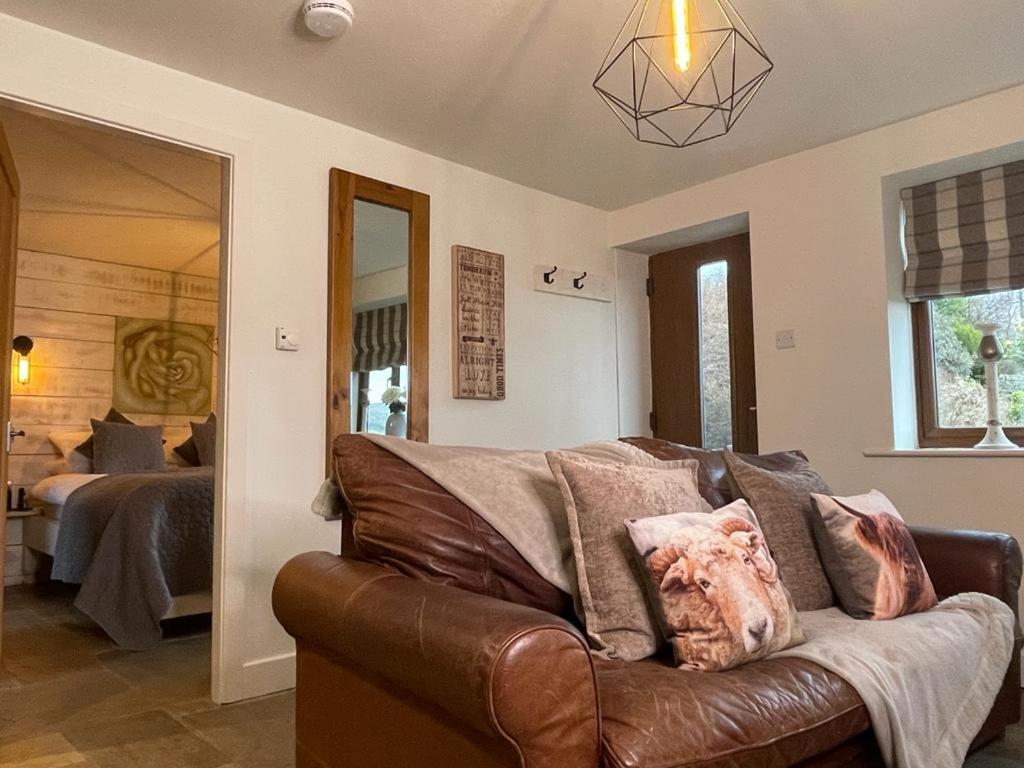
133	542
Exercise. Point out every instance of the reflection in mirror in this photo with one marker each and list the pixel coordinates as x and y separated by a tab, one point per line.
380	321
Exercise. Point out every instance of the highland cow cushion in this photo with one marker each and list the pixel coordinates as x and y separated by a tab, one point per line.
714	587
598	497
870	557
781	499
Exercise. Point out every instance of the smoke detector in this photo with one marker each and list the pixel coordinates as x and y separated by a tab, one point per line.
328	18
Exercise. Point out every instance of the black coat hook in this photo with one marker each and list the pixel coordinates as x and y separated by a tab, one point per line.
577	282
548	276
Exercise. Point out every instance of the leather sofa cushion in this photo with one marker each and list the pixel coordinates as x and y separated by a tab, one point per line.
397	516
713	476
770	713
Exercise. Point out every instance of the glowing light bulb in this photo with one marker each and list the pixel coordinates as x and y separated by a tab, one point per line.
681	33
23	369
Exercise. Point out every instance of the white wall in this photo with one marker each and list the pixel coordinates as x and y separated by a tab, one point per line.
561	354
822	227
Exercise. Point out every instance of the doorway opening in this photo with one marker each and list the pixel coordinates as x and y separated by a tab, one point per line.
702	345
116	279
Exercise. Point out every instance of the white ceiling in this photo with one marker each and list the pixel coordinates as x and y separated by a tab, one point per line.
505	85
110	196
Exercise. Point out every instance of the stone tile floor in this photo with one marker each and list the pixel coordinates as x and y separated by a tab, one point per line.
1008	753
70	697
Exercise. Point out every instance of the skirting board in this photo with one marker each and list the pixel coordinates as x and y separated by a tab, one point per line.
270	675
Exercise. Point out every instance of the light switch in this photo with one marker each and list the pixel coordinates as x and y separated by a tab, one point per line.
785	339
287	340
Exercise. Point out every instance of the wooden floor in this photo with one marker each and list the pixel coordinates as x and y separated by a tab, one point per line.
70	697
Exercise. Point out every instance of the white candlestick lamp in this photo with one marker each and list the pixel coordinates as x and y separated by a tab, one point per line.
991	352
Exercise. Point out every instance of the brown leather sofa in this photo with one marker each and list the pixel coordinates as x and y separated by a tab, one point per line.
430	642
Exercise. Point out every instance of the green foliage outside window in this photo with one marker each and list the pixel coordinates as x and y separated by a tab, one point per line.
959	375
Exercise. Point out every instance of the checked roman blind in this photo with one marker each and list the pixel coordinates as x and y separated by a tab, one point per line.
965	235
380	338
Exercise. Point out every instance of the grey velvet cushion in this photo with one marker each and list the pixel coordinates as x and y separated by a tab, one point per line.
781	500
189	451
599	497
113	416
123	448
205	438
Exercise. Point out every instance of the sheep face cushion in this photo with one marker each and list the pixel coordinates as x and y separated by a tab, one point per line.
715	587
870	557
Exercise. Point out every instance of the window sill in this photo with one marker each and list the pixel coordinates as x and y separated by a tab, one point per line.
946	453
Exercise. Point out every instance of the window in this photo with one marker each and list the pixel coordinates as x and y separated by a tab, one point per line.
964	266
373	414
952	398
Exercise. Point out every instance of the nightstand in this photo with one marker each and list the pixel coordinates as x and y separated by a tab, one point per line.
15	570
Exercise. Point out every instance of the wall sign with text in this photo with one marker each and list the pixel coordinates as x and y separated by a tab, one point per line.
478	324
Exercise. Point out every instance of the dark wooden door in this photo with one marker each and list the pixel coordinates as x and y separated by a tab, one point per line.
702	345
8	269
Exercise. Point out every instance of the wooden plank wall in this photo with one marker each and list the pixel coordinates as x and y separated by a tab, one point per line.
68	307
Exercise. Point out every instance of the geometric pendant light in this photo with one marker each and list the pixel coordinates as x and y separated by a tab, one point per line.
682	71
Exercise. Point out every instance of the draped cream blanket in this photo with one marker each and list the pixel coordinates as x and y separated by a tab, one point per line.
929	680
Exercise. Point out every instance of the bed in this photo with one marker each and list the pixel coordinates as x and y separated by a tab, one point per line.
140	545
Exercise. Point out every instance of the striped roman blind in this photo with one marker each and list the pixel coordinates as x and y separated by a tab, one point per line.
965	235
380	338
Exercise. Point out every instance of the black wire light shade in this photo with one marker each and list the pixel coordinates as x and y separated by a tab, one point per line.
682	71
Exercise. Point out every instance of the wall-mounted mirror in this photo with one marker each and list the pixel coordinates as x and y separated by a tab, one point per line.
378	309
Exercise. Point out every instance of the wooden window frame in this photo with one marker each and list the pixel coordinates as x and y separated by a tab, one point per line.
345	189
929	433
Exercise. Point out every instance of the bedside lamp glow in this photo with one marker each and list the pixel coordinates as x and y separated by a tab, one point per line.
23	346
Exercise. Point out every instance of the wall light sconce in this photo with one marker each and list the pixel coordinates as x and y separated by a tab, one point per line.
23	346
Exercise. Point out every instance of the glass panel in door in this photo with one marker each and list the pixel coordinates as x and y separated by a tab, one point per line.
713	345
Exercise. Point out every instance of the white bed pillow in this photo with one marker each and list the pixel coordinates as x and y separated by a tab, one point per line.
55	490
66	442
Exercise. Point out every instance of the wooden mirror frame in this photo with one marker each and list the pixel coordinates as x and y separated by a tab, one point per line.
346	188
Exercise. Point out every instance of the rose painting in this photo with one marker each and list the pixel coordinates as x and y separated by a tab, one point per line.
163	367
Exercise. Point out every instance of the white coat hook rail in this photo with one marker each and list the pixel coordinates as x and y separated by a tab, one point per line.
581	284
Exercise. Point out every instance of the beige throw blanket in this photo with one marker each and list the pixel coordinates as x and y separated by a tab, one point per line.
515	492
929	680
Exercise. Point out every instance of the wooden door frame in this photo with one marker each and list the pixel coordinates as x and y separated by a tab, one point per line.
9	178
735	251
345	189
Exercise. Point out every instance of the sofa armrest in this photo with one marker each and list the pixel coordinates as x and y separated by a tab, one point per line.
971	561
518	675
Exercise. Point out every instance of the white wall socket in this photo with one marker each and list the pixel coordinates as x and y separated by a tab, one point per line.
785	339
